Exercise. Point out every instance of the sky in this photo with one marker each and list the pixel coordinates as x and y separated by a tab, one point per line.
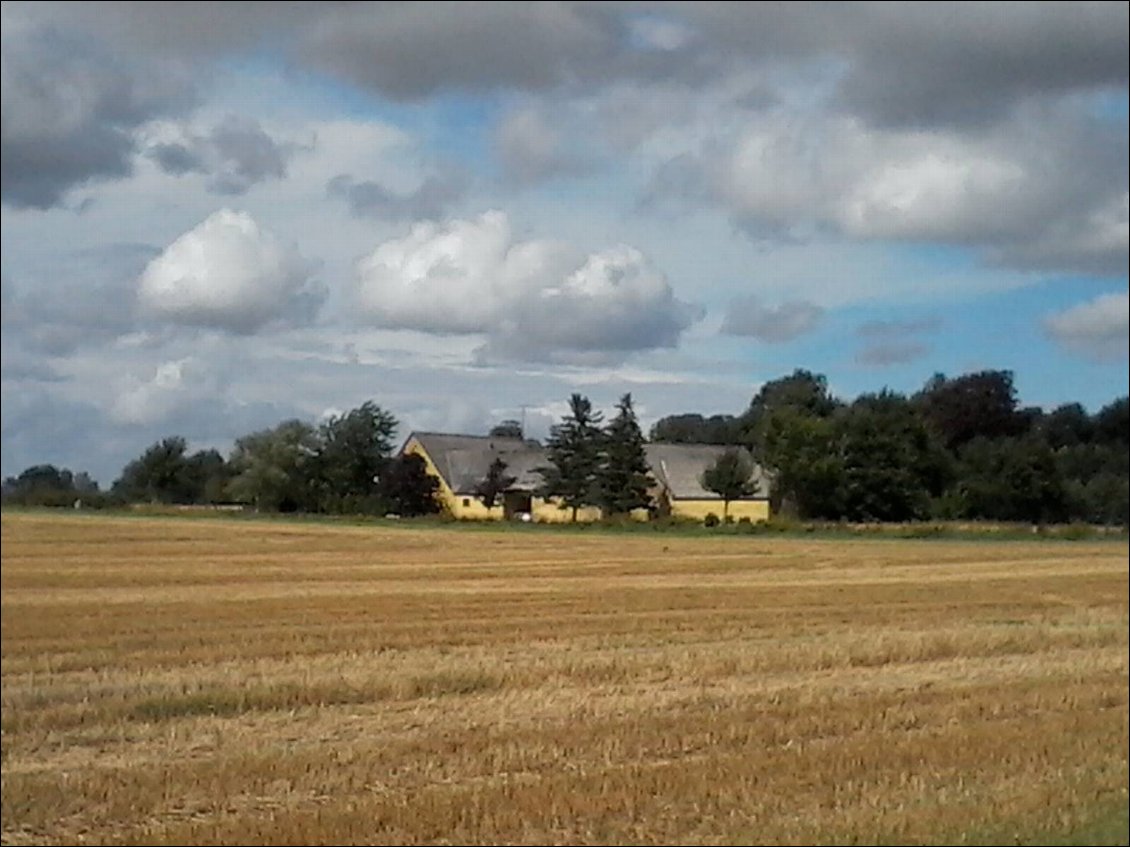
220	216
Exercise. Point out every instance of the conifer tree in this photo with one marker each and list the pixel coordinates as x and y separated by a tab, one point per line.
624	477
575	448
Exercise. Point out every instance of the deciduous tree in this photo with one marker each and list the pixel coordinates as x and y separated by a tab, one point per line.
730	477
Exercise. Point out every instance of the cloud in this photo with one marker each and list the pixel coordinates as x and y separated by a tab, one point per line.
236	154
428	201
228	273
894	342
173	386
921	65
70	108
884	353
407	51
1096	329
1044	194
61	306
531	150
888	330
534	300
749	316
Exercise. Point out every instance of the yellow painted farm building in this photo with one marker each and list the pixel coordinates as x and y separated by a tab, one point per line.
461	462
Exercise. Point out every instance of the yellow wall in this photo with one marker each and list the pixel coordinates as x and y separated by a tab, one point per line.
547	510
755	510
453	503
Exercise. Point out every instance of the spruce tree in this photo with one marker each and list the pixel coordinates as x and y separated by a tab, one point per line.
624	478
575	451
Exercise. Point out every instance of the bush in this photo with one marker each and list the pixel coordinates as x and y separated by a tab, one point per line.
711	519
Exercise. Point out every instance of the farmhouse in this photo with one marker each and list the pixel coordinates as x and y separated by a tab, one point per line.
677	469
461	463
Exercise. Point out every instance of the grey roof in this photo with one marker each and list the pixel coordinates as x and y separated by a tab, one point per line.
463	461
677	467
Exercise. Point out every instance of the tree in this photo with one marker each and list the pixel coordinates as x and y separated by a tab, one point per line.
206	476
1066	426
1112	423
977	404
507	429
574	451
1010	479
891	464
802	391
406	487
800	450
159	475
624	479
42	485
693	428
494	484
272	468
730	477
354	449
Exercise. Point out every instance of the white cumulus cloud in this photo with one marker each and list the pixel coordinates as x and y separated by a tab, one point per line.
228	273
1096	329
172	386
533	300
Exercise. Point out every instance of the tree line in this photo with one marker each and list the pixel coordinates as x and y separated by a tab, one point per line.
960	449
344	466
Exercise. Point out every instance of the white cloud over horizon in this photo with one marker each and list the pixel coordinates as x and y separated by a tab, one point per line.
231	274
532	300
1098	329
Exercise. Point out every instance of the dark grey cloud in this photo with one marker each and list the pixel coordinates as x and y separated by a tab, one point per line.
431	200
934	64
176	159
929	64
237	154
409	51
248	155
84	298
748	316
69	109
888	343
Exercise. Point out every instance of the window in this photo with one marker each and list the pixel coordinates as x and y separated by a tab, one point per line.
466	502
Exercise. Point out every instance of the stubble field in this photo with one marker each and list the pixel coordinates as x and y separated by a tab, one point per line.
218	681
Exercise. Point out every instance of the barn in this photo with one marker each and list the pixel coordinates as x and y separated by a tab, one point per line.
461	463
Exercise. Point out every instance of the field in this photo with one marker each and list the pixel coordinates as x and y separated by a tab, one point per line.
225	681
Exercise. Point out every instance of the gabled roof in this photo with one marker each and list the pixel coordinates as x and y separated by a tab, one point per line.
463	462
677	468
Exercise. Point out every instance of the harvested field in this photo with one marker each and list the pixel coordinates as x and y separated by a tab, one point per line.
225	681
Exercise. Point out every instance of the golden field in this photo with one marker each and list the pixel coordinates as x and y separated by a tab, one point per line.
223	681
